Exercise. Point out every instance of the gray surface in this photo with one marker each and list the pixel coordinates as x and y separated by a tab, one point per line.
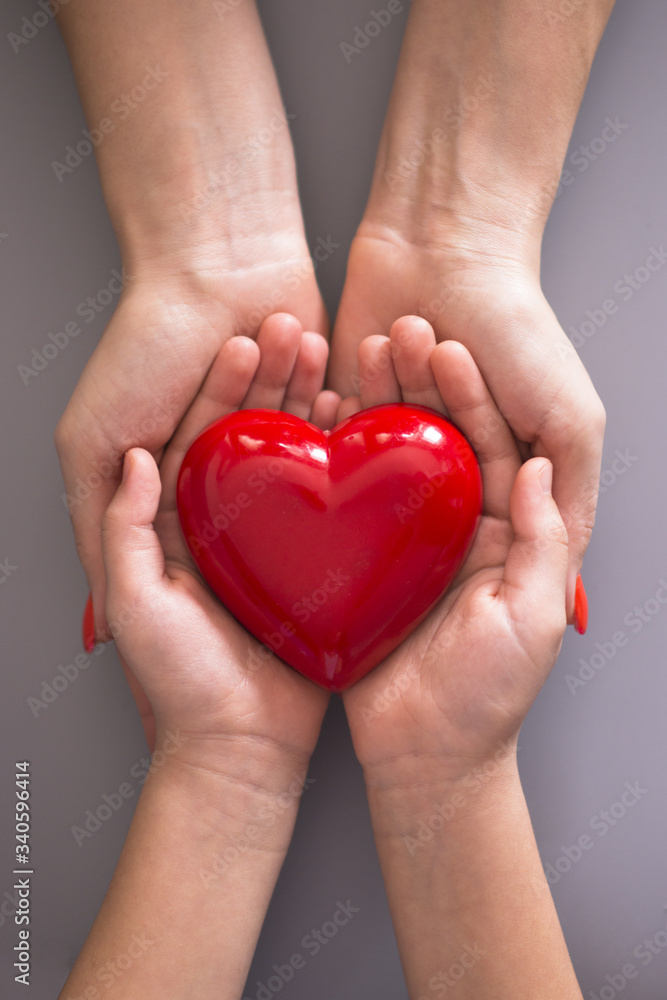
577	749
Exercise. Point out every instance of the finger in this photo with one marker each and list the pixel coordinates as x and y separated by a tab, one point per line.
90	480
378	382
325	410
278	340
472	409
535	572
307	376
412	344
224	389
348	407
575	448
133	557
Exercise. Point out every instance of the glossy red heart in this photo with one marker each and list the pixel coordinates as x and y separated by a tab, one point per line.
330	548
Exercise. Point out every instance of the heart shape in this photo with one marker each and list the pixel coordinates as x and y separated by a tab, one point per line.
330	548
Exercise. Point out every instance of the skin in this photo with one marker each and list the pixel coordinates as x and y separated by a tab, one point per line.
476	132
200	184
234	740
435	726
470	897
456	240
283	369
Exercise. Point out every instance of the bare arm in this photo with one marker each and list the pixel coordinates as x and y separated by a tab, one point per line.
483	105
197	169
188	898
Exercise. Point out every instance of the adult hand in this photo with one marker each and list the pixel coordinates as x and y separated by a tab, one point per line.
472	290
150	366
468	166
198	175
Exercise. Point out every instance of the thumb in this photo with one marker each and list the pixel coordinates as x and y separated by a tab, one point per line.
535	577
133	557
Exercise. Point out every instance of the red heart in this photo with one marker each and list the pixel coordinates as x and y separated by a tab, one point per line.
330	549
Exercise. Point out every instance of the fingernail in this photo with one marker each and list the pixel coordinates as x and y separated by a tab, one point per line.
88	626
580	606
546	478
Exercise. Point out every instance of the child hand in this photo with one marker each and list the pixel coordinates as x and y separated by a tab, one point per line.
459	687
191	666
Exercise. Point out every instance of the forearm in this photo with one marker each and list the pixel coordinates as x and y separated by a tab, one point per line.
470	902
193	143
188	898
483	106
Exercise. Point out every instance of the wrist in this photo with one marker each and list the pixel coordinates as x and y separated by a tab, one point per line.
434	177
421	773
196	874
459	238
246	787
212	215
482	111
411	800
192	140
256	762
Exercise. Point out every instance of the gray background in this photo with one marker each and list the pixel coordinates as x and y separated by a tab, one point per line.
577	750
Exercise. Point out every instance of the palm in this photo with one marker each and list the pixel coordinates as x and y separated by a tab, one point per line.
465	298
491	302
224	682
153	359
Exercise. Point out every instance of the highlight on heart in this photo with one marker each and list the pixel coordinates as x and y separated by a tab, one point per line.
330	548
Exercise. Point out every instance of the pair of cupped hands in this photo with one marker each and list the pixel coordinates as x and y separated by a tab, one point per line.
454	692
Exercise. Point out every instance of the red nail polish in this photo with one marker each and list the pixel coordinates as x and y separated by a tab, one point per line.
88	626
580	607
